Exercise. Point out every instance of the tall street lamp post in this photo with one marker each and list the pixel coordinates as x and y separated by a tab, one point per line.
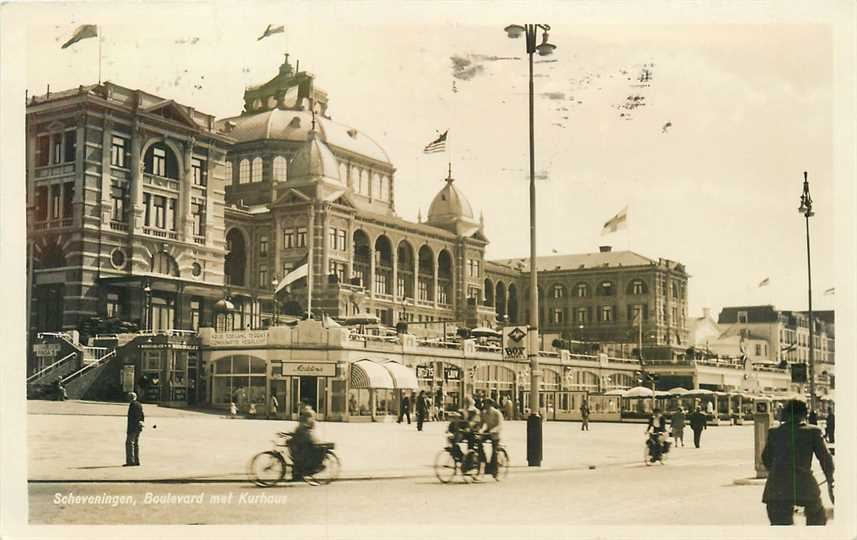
276	321
806	210
534	426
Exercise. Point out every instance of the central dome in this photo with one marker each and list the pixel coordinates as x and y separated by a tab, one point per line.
451	210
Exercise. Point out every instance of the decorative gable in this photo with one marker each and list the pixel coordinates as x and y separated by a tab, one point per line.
172	111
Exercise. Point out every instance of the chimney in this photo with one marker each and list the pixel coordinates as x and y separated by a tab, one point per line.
605	249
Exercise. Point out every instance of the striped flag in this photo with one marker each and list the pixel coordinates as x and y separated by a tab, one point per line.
831	290
619	221
84	31
270	30
300	272
765	282
437	145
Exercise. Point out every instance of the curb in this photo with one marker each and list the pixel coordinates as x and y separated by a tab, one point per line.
242	477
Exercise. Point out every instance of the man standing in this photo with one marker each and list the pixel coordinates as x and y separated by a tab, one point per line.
584	416
788	458
405	409
135	426
422	409
698	422
830	427
677	425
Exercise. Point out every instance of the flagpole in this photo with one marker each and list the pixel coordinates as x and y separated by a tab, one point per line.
99	53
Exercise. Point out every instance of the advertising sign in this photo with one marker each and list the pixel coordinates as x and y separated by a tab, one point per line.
452	374
425	372
240	338
46	349
515	342
309	369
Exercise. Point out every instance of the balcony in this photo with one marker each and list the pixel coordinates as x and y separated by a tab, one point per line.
170	235
199	240
119	226
161	182
49	171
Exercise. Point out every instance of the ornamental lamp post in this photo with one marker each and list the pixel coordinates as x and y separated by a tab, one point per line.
534	426
806	210
274	283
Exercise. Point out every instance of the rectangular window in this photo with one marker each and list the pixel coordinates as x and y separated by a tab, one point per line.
380	283
474	292
336	268
113	306
263	278
340	240
198	213
194	314
424	290
41	202
171	214
580	315
159	161
758	349
67	198
70	146
118	197
199	167
55	201
289	238
43	151
263	246
606	313
557	316
117	152
160	204
57	148
400	286
301	237
332	238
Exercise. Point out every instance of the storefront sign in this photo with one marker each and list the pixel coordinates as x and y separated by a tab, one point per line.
309	370
128	378
452	374
240	339
515	342
425	372
46	349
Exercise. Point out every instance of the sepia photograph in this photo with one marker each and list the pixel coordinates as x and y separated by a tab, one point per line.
371	270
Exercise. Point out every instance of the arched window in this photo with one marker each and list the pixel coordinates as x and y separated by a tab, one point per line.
444	277
361	266
257	170
160	161
405	272
581	290
163	263
280	169
244	171
606	288
637	287
558	291
425	277
376	186
489	292
236	258
227	172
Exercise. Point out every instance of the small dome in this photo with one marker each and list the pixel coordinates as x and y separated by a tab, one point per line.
451	210
314	160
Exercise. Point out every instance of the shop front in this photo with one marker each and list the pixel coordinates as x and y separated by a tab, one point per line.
163	371
443	382
376	388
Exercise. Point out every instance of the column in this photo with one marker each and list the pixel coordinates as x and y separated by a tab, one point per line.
371	278
184	223
77	202
105	209
434	283
416	278
395	258
137	140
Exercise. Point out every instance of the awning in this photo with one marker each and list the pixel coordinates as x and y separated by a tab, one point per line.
369	374
404	378
637	392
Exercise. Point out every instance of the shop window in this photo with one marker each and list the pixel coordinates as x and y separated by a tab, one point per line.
359	402
385	402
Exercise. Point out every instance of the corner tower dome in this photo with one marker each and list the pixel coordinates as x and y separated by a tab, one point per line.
451	210
315	171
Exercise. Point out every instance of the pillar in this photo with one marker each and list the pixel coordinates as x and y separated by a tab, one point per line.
371	280
184	221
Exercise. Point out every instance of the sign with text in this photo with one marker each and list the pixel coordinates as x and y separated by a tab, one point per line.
425	372
46	349
452	374
239	339
515	342
307	369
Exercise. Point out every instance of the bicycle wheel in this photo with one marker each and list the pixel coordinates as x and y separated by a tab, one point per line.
267	468
445	466
502	464
329	469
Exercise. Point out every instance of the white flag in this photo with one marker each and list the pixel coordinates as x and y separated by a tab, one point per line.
84	31
619	221
296	274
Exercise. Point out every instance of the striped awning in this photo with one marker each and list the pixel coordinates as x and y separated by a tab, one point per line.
369	374
404	378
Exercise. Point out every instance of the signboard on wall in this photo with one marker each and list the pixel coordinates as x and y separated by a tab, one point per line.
515	342
127	378
239	339
425	372
309	369
46	349
452	374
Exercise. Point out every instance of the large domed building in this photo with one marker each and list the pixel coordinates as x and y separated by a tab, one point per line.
299	185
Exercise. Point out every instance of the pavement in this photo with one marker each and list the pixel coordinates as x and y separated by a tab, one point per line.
81	442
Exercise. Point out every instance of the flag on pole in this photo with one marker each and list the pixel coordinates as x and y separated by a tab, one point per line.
619	221
84	31
765	282
831	290
270	30
296	274
437	145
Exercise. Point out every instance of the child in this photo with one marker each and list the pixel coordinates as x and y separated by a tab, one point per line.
233	410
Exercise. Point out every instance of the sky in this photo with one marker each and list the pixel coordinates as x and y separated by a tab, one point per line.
710	164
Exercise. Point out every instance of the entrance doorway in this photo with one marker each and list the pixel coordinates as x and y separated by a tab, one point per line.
308	390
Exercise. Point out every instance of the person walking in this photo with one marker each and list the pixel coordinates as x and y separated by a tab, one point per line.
422	409
132	434
584	416
698	422
830	426
405	409
509	408
788	457
439	398
677	422
275	405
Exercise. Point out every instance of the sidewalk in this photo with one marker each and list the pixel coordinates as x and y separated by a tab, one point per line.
84	442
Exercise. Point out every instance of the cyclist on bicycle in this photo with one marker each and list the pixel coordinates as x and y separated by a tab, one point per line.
463	428
658	427
490	430
306	454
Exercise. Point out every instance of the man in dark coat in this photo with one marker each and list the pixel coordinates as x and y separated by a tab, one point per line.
788	457
405	409
830	427
698	422
422	408
135	426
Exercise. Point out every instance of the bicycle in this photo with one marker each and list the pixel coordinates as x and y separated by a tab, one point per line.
451	461
651	453
267	469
